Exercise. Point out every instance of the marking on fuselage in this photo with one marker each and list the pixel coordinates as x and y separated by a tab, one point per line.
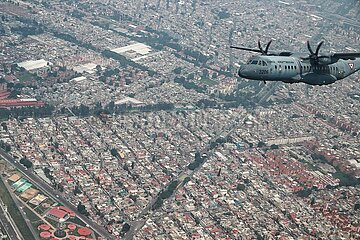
351	65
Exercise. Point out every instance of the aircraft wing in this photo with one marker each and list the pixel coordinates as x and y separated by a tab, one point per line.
247	49
271	53
346	55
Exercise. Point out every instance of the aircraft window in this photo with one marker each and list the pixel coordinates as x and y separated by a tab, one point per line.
295	67
254	62
264	63
292	67
285	67
260	63
275	66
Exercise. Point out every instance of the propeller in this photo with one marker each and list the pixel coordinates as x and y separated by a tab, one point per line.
314	56
260	50
264	52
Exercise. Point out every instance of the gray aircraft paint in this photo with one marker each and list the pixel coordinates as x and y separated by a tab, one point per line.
295	68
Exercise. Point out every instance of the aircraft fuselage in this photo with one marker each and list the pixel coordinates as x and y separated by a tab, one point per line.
291	69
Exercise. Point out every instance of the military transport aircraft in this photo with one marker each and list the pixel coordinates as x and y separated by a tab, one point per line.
289	67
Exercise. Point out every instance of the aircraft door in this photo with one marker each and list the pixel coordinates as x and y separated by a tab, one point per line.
280	70
299	67
341	70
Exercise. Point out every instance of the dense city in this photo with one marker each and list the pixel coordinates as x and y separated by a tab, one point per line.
127	120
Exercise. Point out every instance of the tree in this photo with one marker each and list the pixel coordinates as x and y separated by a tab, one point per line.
77	190
128	81
304	193
197	156
205	73
177	70
82	209
134	197
47	173
274	146
125	228
114	152
357	206
4	126
157	204
240	187
24	161
213	145
84	110
261	144
186	180
221	140
7	148
165	194
192	166
98	68
191	76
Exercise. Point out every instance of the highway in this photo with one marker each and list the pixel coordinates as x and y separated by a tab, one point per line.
141	220
7	224
39	183
21	207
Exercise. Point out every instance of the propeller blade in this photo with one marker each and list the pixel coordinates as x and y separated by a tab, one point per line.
261	49
267	47
307	58
309	47
323	57
318	48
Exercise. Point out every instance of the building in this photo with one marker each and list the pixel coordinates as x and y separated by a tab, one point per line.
11	103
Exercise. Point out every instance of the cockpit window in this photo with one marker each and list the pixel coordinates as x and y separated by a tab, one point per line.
264	63
254	62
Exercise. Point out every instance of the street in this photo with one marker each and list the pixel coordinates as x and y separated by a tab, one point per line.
54	194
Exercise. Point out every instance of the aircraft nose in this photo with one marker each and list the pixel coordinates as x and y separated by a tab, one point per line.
244	71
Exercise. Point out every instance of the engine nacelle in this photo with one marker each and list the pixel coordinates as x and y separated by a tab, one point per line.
327	61
318	79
